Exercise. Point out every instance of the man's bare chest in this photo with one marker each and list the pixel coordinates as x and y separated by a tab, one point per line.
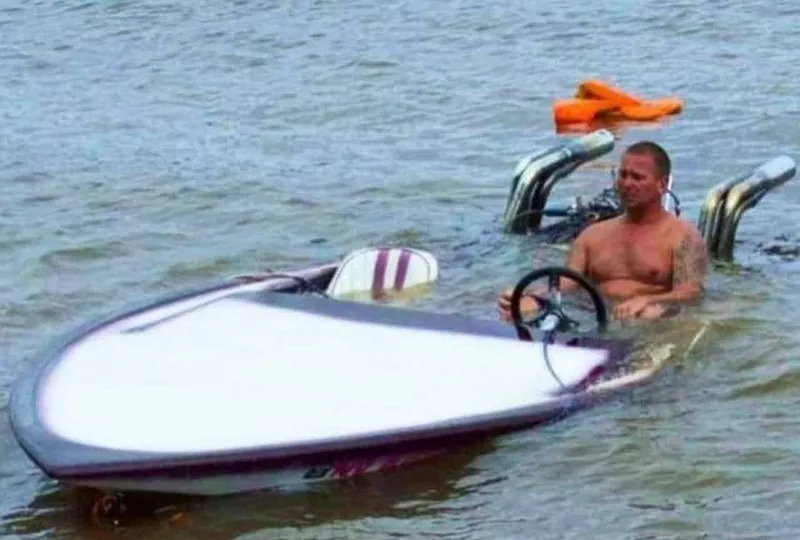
643	259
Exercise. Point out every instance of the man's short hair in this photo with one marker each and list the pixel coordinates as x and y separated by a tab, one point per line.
659	155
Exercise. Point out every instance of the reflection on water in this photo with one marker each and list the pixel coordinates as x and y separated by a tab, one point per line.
616	126
410	492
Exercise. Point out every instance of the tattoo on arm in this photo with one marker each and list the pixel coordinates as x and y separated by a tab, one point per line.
691	261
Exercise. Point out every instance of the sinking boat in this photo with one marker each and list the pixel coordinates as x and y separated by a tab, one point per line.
269	380
277	379
536	175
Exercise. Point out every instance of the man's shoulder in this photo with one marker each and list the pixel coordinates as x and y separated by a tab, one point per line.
683	232
597	231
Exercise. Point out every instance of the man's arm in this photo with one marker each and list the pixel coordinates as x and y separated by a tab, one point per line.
576	259
689	269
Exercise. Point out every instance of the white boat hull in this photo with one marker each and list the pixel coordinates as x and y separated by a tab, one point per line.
317	390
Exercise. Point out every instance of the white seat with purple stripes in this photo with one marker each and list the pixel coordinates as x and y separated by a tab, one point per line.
380	269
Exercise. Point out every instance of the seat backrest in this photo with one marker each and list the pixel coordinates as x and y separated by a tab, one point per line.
379	269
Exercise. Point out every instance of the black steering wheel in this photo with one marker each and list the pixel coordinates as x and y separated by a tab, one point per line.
551	315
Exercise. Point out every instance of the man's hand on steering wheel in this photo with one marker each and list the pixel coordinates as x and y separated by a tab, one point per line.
528	305
547	308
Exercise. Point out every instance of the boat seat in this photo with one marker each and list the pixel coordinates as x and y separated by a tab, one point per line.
376	270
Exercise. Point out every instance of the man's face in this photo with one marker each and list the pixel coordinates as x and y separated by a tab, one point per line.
638	182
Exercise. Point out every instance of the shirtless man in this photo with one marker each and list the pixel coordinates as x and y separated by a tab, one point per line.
644	260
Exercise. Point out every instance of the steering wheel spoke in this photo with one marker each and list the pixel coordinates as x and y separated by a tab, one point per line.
554	283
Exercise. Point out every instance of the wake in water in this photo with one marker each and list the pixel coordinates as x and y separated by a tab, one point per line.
657	346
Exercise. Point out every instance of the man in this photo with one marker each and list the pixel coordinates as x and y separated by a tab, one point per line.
644	261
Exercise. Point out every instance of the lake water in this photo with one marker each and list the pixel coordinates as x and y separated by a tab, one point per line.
155	145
